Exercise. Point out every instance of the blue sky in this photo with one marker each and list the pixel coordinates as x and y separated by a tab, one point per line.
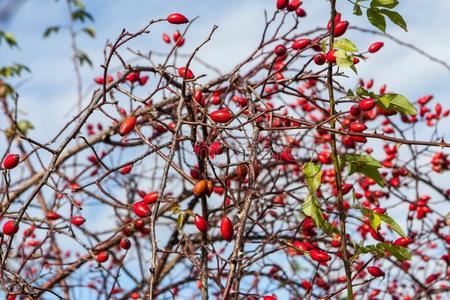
48	94
50	88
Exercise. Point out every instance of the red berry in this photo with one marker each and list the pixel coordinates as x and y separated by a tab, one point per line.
375	47
200	223
301	44
166	38
357	127
319	255
320	59
379	210
125	244
141	209
306	284
177	19
330	56
198	96
337	19
176	35
280	50
102	257
402	242
185	73
348	141
10	227
132	77
376	235
346	188
355	110
340	28
151	198
300	12
53	216
11	297
375	271
77	220
99	80
223	115
127	125
282	4
302	247
126	169
269	298
11	161
293	5
226	228
143	80
366	104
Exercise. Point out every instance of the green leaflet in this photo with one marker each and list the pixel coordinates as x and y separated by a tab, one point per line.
395	18
382	217
398	103
312	209
399	252
364	164
345	44
313	176
376	19
384	3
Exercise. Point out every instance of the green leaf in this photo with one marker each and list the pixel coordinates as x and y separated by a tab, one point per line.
384	3
313	176
24	126
354	69
364	164
399	252
14	70
357	9
345	44
312	209
50	30
342	59
385	218
84	58
361	92
395	18
90	31
375	220
180	220
9	38
376	19
372	249
323	45
398	103
350	93
81	15
368	171
388	220
78	3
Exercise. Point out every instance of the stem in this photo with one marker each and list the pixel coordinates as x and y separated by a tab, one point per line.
337	168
